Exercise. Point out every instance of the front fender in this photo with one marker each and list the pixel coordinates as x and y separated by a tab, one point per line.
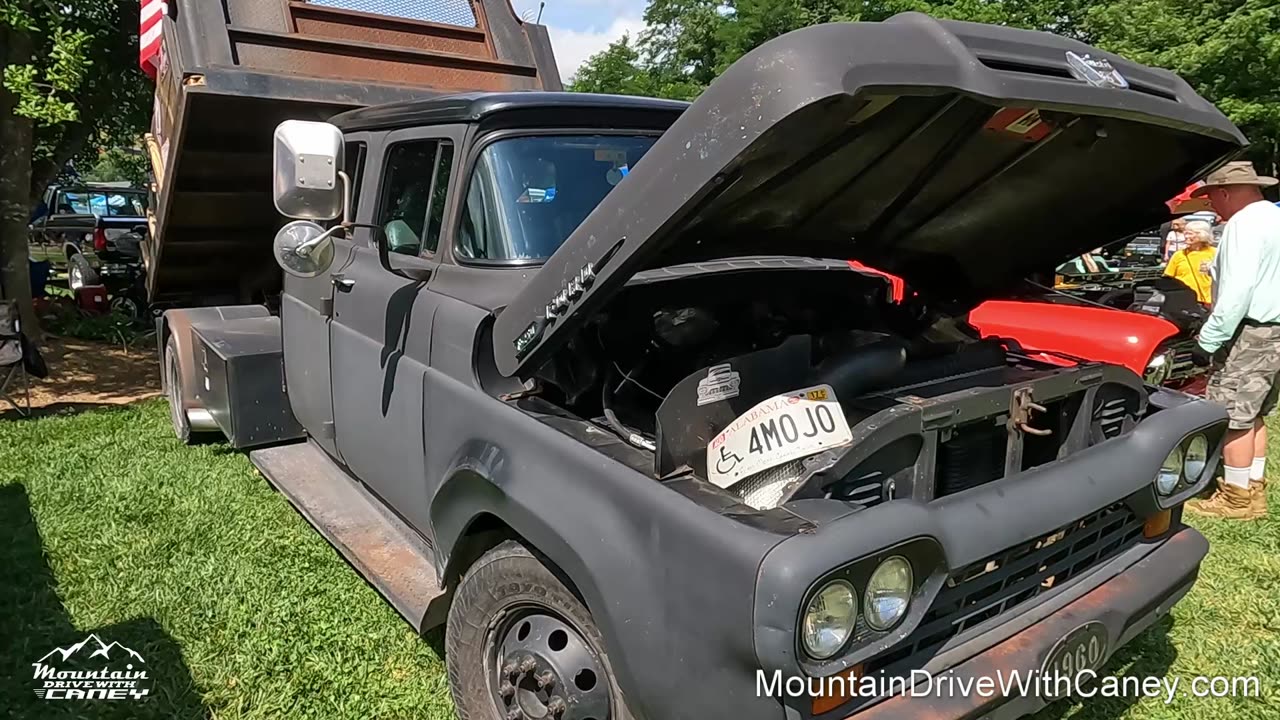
1118	337
669	582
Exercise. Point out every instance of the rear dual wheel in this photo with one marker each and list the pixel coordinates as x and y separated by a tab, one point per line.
521	646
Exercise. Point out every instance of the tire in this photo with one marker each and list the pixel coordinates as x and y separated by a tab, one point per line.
130	308
80	273
173	389
512	622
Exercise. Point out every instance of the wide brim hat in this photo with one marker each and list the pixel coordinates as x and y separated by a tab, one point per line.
1240	172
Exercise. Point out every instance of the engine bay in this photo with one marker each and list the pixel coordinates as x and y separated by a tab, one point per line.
777	381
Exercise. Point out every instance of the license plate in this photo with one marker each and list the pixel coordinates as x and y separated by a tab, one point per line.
1084	648
779	430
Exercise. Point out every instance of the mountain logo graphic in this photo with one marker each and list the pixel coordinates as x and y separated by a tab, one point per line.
96	648
98	670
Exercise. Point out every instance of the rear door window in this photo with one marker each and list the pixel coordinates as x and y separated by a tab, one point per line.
413	198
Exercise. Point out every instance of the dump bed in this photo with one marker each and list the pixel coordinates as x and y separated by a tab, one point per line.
231	70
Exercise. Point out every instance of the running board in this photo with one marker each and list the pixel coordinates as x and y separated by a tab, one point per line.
380	546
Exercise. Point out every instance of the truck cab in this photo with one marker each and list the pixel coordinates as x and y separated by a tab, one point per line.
571	376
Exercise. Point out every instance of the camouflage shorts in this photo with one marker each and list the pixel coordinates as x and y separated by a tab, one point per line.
1249	383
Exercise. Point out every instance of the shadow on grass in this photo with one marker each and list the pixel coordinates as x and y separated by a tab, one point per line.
1151	654
35	623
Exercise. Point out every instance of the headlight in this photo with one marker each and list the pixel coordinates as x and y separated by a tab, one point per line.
1197	457
1170	472
1159	369
888	593
828	621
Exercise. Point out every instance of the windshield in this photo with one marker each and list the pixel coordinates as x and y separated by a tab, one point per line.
528	194
103	204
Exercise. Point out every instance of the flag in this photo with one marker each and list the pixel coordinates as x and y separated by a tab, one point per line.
150	34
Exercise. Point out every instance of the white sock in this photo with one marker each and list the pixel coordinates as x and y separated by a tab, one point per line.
1238	476
1259	468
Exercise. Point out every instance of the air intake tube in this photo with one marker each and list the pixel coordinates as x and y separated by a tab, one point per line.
854	371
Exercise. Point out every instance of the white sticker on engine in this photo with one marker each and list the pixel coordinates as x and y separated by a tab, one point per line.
783	428
721	383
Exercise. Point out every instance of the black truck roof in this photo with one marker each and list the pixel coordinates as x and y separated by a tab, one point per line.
476	107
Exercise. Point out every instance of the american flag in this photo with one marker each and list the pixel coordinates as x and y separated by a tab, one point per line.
150	35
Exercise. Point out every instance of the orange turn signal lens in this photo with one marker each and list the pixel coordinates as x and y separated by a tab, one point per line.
1157	524
835	692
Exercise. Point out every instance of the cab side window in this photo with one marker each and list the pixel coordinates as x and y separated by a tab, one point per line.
416	184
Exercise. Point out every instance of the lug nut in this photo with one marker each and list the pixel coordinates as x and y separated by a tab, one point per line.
515	714
528	664
510	669
546	679
556	706
506	689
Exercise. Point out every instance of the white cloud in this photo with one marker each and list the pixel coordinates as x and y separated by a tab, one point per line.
574	47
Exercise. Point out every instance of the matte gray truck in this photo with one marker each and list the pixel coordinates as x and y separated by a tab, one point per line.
569	375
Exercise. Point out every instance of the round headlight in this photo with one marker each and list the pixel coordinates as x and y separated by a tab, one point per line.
888	593
1170	472
1159	369
828	621
1197	457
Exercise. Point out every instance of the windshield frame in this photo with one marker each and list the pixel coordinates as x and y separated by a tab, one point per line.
472	160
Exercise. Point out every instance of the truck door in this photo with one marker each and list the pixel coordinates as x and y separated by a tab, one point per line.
380	334
304	315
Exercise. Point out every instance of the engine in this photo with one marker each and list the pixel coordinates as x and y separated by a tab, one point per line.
790	394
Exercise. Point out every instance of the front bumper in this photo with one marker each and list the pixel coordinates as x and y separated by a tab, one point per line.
1126	604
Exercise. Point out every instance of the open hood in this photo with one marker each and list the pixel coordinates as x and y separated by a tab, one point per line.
961	157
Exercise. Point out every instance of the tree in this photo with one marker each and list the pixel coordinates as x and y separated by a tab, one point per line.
115	164
1229	50
617	70
70	84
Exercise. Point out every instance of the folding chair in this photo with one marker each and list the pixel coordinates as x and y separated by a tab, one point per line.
11	365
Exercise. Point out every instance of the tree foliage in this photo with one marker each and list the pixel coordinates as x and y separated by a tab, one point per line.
69	85
1229	50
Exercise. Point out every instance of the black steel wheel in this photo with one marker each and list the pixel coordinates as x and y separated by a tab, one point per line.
521	646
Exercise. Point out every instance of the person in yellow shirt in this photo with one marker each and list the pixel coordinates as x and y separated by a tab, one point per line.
1191	264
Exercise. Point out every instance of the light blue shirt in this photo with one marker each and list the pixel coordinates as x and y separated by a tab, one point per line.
1247	282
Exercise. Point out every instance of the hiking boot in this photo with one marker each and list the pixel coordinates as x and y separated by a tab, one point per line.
1258	491
1228	503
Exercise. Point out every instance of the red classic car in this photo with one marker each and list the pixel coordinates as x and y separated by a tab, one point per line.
1060	328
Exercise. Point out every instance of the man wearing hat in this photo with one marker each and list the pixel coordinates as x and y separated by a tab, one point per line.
1243	334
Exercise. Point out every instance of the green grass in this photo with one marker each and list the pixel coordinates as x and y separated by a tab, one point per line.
108	525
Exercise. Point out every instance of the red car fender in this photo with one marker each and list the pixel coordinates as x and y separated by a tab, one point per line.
1117	337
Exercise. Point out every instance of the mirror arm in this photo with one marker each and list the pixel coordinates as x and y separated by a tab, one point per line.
346	197
305	248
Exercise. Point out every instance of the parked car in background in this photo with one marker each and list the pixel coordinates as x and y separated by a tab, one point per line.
87	225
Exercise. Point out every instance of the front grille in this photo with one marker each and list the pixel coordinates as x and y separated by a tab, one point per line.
993	586
1110	416
1183	364
1114	412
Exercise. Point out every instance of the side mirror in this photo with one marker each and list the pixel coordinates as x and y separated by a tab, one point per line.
308	158
302	249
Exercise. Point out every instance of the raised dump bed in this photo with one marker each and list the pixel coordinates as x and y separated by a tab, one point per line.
231	70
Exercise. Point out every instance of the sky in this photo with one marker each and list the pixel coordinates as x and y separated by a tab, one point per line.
582	28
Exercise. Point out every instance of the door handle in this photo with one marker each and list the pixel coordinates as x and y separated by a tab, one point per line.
343	283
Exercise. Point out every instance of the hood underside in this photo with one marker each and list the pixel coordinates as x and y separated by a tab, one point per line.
960	157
